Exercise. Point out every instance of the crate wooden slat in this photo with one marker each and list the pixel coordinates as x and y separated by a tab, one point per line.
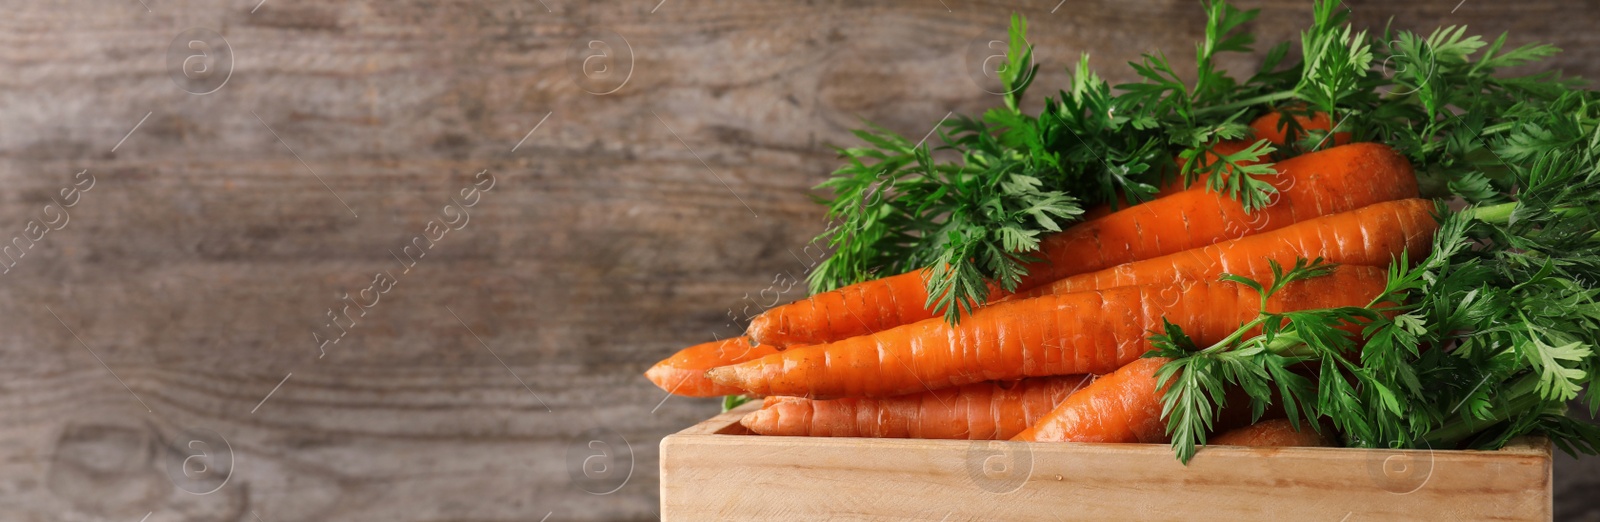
716	470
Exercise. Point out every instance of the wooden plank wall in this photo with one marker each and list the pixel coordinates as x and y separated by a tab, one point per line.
189	289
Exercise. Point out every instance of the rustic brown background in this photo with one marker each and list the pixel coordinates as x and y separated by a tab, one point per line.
625	226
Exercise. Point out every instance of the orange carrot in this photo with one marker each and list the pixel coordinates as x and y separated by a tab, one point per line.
1173	185
1311	185
1373	236
1124	406
1265	127
684	372
1085	332
1275	432
1271	127
981	411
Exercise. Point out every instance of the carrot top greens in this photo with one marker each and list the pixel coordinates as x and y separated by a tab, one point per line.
1482	341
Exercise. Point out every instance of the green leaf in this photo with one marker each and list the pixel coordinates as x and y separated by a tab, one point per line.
729	402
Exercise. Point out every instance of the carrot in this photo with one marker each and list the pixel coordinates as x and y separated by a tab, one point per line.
684	372
1264	127
1085	332
1271	127
981	411
1311	185
1373	236
1124	406
1173	185
1275	432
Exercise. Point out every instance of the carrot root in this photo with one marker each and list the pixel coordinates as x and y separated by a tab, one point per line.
1275	432
1124	406
981	411
684	372
1085	332
1374	235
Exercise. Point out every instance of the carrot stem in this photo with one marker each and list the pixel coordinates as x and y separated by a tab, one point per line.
1501	214
1455	430
1498	128
1228	341
1496	214
1286	344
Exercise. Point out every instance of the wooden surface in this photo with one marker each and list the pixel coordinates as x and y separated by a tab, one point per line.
714	472
192	277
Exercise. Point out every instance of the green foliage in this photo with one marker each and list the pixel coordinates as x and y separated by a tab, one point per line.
729	402
1336	60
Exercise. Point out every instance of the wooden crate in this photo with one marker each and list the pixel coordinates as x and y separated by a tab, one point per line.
716	470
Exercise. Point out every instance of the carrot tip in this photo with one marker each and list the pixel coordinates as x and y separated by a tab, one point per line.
658	375
755	420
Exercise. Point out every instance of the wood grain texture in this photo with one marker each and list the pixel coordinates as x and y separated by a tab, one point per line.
626	226
715	471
